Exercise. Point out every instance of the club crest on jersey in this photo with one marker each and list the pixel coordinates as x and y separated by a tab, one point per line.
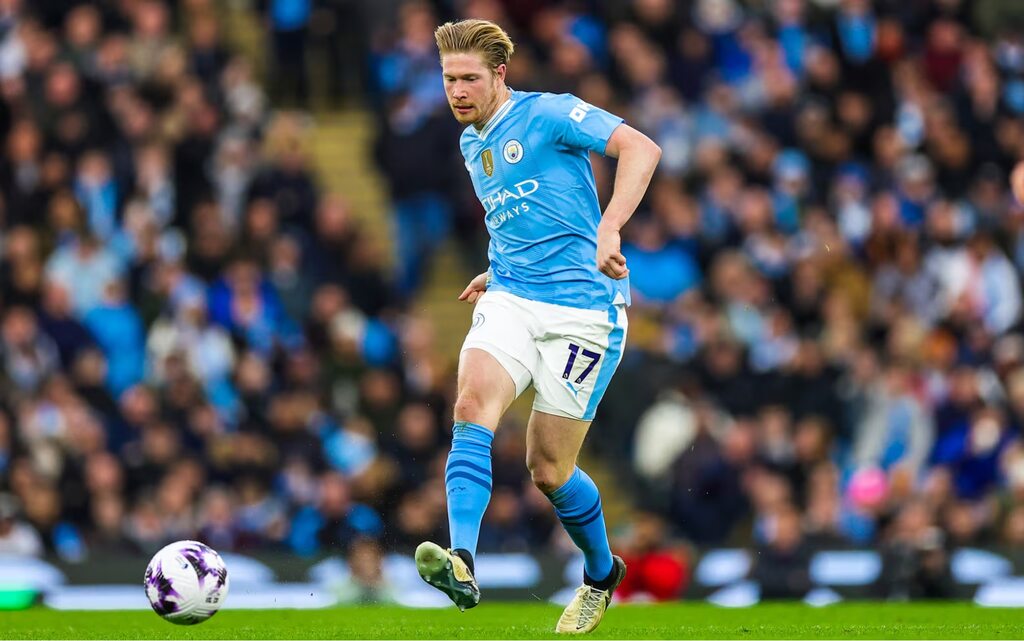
512	152
487	159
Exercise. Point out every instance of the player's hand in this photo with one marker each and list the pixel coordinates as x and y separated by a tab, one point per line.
1017	182
610	260
475	289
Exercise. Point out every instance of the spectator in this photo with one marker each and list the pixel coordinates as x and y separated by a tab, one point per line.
209	57
366	583
43	512
260	516
119	332
708	496
29	355
416	144
16	537
410	66
417	519
334	522
782	566
21	267
85	267
287	181
659	272
915	562
155	183
70	336
82	29
108	538
973	450
664	431
416	441
660	570
823	522
150	39
245	304
896	431
207	349
22	172
232	175
97	193
503	528
289	25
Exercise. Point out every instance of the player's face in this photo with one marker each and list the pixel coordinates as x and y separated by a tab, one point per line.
473	89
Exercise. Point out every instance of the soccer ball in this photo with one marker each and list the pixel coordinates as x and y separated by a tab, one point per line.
186	582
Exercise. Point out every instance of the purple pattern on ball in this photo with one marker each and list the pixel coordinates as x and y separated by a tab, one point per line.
222	576
197	556
155	579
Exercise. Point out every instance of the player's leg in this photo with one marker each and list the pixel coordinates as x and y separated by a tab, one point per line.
552	448
485	390
580	351
490	378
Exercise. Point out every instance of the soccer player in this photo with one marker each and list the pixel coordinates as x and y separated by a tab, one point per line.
550	310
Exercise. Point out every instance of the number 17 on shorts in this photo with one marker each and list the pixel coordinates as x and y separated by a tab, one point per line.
574	351
577	364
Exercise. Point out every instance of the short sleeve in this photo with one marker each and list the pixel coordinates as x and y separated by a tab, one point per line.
577	124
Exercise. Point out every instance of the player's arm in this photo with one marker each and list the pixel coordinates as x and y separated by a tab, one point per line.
638	156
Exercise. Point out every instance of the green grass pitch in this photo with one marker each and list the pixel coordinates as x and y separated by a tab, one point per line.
536	621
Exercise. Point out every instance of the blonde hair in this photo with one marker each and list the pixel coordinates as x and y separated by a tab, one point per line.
475	36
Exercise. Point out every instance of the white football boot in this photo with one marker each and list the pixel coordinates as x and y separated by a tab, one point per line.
587	608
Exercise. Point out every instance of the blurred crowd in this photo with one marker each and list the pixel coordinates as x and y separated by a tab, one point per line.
829	267
825	345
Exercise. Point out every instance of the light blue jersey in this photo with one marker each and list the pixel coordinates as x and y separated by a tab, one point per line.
531	170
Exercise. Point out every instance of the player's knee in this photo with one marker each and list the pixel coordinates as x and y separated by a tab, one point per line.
471	406
546	476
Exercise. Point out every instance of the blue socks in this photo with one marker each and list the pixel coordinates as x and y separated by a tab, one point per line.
468	484
467	479
578	506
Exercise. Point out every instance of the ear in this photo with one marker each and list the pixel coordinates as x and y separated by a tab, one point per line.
500	70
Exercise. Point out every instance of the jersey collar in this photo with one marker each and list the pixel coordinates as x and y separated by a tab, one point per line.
496	118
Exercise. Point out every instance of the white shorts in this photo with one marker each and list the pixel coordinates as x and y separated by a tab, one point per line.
568	354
